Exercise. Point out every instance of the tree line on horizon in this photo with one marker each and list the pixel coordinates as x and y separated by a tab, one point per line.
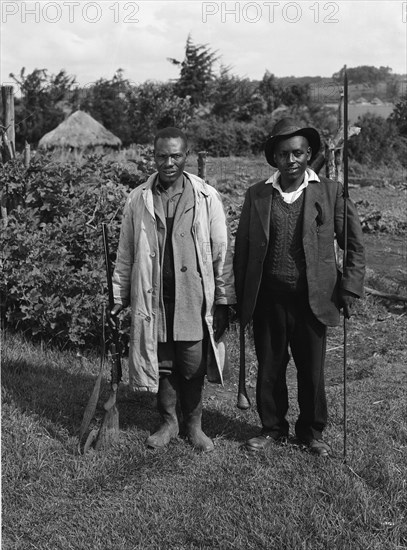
222	112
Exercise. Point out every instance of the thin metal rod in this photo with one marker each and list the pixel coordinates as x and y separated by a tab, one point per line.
345	420
345	249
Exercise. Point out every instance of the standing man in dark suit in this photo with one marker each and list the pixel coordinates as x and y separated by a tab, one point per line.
287	281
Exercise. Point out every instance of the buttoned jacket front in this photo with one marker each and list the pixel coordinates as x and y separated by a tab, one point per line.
188	321
323	220
137	279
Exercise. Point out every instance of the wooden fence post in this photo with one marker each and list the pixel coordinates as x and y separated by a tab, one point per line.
8	142
330	159
337	168
339	151
7	96
27	155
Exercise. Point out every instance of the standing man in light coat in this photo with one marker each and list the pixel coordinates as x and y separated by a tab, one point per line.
287	281
174	267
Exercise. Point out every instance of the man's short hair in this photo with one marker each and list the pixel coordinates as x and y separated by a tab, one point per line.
171	132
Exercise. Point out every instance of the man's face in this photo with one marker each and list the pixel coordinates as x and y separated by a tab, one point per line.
291	156
170	155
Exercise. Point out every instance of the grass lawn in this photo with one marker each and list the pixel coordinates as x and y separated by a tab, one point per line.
132	498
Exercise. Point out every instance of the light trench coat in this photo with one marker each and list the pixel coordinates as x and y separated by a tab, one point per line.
137	279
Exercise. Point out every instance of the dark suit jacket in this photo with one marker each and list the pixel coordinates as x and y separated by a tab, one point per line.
323	220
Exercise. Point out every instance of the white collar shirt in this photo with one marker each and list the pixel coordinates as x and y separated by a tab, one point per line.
309	175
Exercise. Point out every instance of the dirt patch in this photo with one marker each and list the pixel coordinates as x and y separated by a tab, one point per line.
382	209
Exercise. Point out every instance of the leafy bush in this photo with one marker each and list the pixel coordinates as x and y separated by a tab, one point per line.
54	277
399	116
379	142
229	138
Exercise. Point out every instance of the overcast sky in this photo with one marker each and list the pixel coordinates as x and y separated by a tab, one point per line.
92	39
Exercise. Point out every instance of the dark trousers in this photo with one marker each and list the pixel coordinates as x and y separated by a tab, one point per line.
187	358
283	319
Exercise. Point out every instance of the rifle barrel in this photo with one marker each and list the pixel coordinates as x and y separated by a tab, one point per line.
108	266
115	346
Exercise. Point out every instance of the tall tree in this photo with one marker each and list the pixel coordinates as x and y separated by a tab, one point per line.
44	102
296	94
271	91
196	72
226	88
237	98
154	105
250	101
364	74
108	102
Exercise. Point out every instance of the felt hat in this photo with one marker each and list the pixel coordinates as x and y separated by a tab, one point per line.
286	128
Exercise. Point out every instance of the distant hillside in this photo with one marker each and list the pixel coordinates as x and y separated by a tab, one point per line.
377	98
328	90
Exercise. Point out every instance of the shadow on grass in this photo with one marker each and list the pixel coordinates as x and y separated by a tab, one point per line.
140	410
58	393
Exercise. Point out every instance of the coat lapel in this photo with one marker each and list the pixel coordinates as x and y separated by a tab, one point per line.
263	206
147	195
186	202
159	209
312	205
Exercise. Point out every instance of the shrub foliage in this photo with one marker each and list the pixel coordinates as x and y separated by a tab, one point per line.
54	278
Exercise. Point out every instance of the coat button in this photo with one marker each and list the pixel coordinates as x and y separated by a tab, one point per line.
182	234
183	268
148	319
152	254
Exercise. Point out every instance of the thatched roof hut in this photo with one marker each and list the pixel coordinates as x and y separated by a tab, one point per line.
79	131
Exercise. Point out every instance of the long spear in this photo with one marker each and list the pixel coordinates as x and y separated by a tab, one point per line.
345	249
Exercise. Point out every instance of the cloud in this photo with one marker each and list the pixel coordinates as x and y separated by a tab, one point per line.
93	39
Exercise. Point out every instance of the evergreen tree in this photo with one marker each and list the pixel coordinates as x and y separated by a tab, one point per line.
196	72
271	91
226	91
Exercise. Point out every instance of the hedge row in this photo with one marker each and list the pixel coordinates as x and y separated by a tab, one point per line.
54	277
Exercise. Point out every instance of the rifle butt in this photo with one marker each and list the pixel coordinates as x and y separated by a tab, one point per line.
109	431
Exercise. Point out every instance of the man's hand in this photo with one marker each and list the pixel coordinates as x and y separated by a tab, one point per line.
220	321
346	301
112	315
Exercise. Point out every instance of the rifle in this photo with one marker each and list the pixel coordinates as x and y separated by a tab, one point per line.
109	430
115	343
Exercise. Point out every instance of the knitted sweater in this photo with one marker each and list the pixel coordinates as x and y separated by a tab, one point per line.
284	265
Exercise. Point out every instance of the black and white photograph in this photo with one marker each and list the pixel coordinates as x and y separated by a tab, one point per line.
203	291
